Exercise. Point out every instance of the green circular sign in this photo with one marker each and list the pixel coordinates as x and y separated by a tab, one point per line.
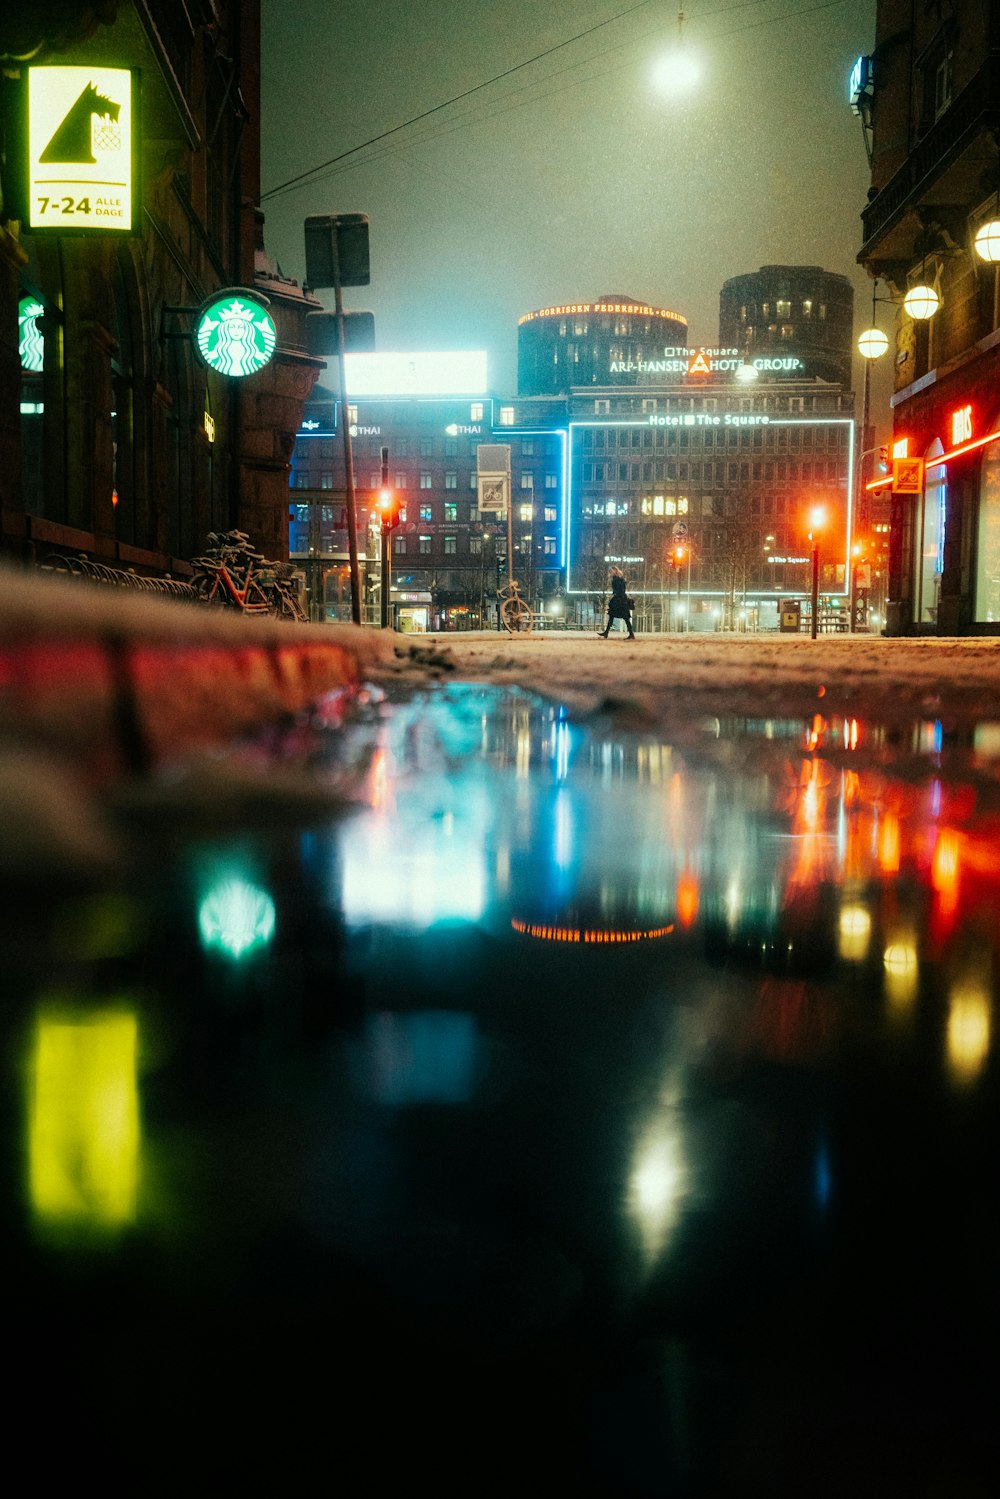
235	334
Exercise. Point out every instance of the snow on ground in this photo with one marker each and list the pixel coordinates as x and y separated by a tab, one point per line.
656	678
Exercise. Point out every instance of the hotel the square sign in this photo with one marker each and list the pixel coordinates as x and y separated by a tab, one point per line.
81	149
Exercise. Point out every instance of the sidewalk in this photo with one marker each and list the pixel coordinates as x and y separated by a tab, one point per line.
122	682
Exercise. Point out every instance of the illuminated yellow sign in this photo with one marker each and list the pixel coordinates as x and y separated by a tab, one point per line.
573	308
80	157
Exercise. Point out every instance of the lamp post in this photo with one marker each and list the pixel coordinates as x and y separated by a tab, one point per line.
817	519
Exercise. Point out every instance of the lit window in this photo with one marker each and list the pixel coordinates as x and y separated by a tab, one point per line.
426	513
527	481
425	545
451	510
425	479
451	545
525	512
551	481
550	512
602	408
399	545
376	479
326	481
476	545
783	308
550	546
807	307
352	414
451	481
476	411
400	481
506	416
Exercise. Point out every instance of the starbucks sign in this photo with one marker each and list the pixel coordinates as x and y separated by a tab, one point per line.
234	332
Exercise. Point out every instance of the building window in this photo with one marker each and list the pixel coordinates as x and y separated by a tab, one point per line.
450	545
376	478
783	307
426	513
506	416
807	307
302	480
549	546
426	447
425	546
476	545
325	481
451	510
473	514
550	512
399	545
400	480
451	480
401	448
473	480
476	411
425	479
942	86
451	447
602	408
525	512
352	415
527	481
527	447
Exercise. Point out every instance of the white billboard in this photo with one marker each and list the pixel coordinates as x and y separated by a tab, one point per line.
460	372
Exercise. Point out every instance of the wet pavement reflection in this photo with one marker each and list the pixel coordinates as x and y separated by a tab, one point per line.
543	1105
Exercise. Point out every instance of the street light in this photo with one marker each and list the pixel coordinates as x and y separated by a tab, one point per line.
817	520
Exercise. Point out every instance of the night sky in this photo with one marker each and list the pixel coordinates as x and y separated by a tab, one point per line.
573	177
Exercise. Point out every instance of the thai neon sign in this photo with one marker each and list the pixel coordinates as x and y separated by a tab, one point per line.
81	156
961	425
234	333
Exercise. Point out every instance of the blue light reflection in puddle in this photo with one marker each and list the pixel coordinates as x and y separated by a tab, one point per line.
618	1108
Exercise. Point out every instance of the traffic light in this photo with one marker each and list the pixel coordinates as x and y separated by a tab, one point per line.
678	553
388	508
388	499
884	461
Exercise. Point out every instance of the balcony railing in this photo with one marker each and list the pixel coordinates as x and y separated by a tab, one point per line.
974	112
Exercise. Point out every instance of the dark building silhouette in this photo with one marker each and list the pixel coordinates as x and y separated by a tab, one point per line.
613	341
784	312
931	112
116	440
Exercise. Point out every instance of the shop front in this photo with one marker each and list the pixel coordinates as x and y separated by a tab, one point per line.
944	559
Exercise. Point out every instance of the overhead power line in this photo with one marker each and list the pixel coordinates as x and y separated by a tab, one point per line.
328	168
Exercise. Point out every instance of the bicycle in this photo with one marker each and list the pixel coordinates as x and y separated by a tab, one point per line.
515	615
226	575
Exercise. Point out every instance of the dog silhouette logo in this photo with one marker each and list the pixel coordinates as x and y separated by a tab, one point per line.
75	138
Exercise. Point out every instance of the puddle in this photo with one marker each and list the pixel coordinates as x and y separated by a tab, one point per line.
615	1109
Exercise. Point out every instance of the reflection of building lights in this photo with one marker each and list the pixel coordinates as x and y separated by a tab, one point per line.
656	1188
888	844
944	870
854	933
594	935
968	1031
236	918
902	971
687	899
83	1129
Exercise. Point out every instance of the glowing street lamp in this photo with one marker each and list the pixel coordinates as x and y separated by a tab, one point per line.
987	242
872	343
921	302
817	521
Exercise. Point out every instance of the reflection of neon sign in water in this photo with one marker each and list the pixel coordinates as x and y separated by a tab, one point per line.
83	1127
29	336
236	918
235	335
591	935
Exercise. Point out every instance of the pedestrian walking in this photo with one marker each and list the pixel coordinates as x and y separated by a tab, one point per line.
619	604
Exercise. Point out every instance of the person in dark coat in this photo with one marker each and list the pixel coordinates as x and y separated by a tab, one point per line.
619	605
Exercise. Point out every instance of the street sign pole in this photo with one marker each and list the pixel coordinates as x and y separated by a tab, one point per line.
386	559
352	524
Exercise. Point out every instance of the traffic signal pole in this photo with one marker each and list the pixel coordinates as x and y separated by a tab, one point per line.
386	558
352	522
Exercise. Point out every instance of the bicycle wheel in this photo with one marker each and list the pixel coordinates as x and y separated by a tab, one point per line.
515	616
255	599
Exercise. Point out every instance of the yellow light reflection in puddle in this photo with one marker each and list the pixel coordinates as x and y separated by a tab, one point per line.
83	1125
656	1188
902	972
968	1040
854	933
